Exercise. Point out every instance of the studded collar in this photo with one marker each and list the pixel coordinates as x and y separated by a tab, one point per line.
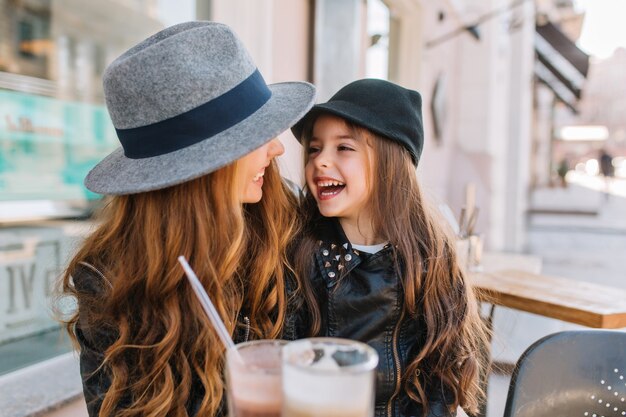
335	255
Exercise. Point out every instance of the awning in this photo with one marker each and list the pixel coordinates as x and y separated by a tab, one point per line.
560	64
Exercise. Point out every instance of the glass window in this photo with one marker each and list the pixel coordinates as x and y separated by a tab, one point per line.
27	30
54	127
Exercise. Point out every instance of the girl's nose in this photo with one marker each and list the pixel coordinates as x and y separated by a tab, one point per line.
276	148
322	160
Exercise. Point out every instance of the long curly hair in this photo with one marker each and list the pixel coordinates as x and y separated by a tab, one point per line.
437	293
162	338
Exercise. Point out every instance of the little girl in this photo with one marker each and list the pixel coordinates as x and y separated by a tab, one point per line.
382	266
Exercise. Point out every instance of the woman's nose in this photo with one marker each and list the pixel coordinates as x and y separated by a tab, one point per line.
276	148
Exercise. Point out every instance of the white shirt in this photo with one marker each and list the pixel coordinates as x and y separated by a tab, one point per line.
369	248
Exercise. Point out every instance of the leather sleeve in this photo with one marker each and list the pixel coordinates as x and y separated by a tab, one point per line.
95	338
437	408
92	341
439	401
95	381
297	320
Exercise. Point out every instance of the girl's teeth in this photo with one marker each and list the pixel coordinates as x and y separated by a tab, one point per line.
329	183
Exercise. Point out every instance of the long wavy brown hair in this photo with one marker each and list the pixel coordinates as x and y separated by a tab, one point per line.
162	338
437	293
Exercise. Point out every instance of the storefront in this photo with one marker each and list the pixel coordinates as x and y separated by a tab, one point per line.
53	128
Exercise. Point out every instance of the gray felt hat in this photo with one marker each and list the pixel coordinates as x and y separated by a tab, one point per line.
186	102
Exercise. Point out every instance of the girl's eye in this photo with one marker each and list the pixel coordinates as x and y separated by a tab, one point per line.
344	148
313	149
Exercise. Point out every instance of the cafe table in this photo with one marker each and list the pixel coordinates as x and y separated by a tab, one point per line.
583	303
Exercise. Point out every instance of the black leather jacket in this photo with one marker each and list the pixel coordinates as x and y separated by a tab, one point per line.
361	298
95	340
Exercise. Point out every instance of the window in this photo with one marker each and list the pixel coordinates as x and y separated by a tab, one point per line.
30	22
377	55
50	137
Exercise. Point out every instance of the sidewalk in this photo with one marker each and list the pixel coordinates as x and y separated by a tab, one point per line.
584	196
76	408
584	247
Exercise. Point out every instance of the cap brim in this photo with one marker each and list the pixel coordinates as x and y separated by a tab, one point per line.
116	174
346	110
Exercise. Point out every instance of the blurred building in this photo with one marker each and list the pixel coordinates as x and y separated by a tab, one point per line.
599	124
561	74
476	73
53	129
64	45
604	100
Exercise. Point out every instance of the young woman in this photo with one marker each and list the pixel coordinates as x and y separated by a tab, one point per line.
381	264
196	177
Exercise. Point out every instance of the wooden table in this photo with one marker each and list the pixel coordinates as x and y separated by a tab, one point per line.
564	299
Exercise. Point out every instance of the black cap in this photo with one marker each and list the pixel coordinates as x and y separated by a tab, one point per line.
381	106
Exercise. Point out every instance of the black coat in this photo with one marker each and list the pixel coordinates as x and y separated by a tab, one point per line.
95	340
361	298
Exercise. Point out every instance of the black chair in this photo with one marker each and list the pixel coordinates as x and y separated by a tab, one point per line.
571	374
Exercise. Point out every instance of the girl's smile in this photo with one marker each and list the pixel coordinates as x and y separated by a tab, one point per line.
328	188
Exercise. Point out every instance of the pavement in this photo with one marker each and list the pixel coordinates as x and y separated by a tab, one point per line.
593	205
584	247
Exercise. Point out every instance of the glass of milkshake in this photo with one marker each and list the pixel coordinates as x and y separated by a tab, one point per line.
328	377
254	379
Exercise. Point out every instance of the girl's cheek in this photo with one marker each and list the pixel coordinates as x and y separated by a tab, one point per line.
307	175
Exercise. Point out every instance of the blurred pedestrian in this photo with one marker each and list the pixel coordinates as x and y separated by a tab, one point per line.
562	170
607	170
196	177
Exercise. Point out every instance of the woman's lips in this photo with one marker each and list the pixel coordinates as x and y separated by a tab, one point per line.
258	178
